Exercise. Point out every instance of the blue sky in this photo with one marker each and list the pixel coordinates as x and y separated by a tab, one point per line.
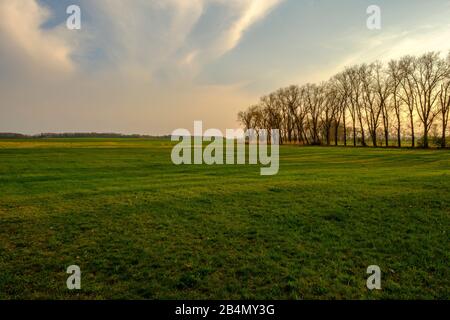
151	66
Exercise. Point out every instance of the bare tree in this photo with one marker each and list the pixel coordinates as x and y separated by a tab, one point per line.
315	97
344	88
272	114
331	108
431	69
407	66
339	108
444	103
371	94
394	84
381	87
295	115
371	106
444	99
245	118
294	100
257	118
354	79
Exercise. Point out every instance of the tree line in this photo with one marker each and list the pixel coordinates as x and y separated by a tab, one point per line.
12	135
377	104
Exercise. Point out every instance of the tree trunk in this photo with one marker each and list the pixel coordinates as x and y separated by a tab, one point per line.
328	135
385	126
336	133
425	136
443	142
363	137
386	137
363	134
444	131
345	132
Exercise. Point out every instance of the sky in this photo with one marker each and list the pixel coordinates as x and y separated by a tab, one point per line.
152	66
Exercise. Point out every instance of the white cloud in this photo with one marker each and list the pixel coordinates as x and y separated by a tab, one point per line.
251	12
20	22
156	34
393	44
121	88
138	37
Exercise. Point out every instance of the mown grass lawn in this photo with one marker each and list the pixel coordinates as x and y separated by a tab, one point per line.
140	227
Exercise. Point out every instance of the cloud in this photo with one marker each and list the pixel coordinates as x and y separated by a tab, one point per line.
159	35
121	72
20	26
393	44
144	38
250	12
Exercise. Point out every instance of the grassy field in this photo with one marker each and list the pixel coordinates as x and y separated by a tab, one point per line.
140	227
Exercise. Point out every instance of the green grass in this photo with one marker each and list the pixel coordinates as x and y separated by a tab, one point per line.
140	227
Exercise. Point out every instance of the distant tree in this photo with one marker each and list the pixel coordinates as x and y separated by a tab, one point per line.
344	88
315	99
292	97
394	85
272	113
330	110
431	70
383	92
444	103
371	107
407	65
373	95
338	102
245	118
353	78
